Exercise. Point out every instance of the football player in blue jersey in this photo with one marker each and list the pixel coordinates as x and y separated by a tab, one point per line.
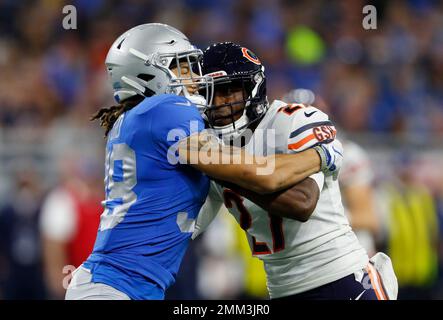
152	200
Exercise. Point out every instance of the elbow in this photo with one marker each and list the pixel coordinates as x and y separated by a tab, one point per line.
301	211
299	202
304	212
306	207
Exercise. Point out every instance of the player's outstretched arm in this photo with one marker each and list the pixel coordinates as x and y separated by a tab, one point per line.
259	174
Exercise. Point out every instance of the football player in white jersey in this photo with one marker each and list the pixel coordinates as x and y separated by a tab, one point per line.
301	233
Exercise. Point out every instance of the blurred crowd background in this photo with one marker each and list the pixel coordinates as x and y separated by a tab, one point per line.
383	88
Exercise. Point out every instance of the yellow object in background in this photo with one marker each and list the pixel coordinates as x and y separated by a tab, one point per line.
305	46
413	236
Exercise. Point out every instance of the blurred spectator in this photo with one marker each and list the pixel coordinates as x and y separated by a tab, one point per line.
356	183
391	74
413	232
439	200
69	221
220	269
185	286
227	269
254	275
20	248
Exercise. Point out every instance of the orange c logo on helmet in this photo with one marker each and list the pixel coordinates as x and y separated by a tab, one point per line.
248	54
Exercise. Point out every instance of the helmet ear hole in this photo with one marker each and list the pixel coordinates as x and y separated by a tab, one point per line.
146	77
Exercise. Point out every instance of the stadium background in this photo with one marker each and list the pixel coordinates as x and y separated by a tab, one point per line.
383	88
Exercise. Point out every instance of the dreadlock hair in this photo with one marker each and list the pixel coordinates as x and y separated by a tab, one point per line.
108	116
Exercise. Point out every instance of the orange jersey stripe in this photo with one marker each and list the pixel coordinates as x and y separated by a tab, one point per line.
302	142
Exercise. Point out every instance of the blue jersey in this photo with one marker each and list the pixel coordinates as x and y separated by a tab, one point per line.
151	199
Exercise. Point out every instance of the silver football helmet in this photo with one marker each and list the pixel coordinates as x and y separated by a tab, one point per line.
139	62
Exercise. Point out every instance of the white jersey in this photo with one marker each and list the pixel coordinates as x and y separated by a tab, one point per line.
297	256
356	170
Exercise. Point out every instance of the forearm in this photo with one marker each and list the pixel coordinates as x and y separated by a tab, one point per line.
292	169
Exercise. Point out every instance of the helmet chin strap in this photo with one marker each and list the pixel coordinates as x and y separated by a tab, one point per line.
198	100
233	130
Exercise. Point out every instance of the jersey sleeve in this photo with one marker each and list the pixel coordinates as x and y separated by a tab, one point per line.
210	209
319	179
305	126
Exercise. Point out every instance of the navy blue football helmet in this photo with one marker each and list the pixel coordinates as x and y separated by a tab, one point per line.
231	65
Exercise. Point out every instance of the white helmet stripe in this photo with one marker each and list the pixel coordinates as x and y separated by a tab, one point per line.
134	84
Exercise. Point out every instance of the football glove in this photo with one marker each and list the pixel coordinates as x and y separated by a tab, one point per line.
331	156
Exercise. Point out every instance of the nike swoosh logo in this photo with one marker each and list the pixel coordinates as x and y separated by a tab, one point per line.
309	114
359	296
188	103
